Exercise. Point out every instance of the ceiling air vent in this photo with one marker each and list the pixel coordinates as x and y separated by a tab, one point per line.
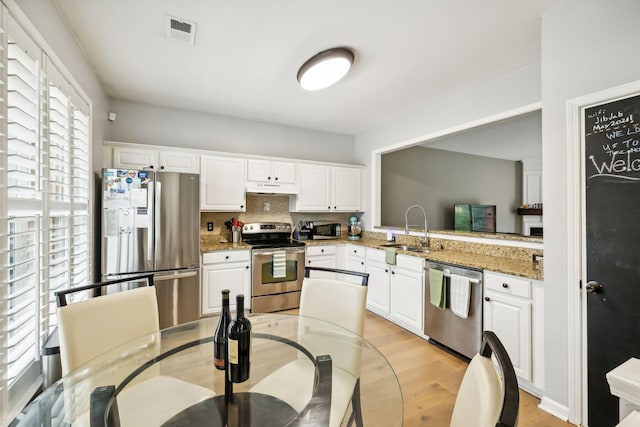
180	30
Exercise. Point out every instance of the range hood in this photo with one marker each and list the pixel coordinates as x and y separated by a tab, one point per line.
271	188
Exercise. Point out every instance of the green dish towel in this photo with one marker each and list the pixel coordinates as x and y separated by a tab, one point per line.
390	256
437	289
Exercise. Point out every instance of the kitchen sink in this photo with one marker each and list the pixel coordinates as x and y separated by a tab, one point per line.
405	247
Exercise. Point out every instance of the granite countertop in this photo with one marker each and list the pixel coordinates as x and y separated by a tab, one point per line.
514	267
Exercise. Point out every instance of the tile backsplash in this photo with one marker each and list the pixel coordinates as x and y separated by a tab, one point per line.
266	208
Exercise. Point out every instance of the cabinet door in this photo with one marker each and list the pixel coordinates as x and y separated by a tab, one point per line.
355	263
215	278
284	172
177	161
378	292
259	170
347	189
222	184
407	298
510	319
314	191
134	158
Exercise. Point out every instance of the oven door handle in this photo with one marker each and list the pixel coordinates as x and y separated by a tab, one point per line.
287	250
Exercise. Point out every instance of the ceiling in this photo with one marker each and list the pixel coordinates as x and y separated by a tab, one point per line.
409	53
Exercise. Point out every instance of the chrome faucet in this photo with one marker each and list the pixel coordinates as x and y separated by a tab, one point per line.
425	242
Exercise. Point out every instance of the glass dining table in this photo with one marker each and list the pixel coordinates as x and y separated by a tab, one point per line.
303	372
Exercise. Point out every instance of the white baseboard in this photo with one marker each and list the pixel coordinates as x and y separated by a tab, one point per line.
554	408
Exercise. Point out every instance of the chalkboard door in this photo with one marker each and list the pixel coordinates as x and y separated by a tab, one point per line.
612	186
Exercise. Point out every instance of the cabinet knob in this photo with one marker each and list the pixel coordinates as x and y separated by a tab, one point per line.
322	250
246	267
329	207
309	262
487	299
226	257
241	206
150	166
386	270
393	272
276	178
362	263
505	285
161	167
269	178
335	207
355	251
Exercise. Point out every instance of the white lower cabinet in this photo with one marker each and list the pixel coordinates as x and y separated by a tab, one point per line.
396	291
321	256
379	273
225	270
355	258
513	310
407	292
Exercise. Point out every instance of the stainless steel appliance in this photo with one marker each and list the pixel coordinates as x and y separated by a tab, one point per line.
442	326
151	223
317	230
277	266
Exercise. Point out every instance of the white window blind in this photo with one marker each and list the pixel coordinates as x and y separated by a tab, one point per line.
24	151
45	212
22	284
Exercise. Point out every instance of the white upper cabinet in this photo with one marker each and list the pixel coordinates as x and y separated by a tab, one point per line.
271	171
222	184
158	160
325	188
347	188
271	176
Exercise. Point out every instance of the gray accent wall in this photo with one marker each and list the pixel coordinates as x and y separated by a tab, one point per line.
156	125
438	179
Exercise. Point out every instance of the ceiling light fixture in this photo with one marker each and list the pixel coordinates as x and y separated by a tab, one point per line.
325	68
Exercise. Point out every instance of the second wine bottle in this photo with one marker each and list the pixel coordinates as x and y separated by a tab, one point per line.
239	344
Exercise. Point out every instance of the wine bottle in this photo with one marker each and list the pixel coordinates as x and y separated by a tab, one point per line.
239	344
220	336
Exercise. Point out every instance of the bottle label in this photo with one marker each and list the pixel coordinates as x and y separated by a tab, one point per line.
233	351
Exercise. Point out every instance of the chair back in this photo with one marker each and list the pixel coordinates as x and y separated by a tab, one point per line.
335	301
488	398
90	327
341	303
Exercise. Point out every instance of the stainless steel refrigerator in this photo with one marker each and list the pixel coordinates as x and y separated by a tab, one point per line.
151	223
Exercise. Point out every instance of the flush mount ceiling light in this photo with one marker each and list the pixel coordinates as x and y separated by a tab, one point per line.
325	68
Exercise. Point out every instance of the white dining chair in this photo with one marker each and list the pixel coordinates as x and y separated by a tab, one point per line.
91	327
488	395
344	304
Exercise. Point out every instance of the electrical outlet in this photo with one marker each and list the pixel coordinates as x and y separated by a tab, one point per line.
209	226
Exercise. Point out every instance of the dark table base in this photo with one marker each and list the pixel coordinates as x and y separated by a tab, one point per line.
247	409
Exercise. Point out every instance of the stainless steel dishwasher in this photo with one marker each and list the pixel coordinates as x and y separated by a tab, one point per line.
442	325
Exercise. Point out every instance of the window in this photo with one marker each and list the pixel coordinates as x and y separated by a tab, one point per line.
45	152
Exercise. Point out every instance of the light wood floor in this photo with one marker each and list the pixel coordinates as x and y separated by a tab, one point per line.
429	378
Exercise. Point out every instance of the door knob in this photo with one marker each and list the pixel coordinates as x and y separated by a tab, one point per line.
593	287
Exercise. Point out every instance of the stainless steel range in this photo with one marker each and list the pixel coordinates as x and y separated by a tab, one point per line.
277	266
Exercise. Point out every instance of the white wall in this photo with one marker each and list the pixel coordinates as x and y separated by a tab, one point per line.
586	47
149	124
511	91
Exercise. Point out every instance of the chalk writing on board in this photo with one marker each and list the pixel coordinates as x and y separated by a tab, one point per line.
612	140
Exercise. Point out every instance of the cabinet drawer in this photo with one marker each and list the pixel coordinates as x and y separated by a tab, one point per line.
376	255
357	251
516	286
225	256
410	262
321	250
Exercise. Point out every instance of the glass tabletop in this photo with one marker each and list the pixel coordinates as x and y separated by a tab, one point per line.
168	378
